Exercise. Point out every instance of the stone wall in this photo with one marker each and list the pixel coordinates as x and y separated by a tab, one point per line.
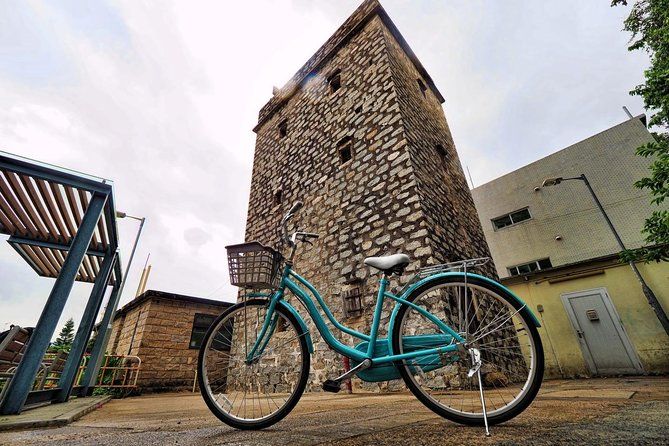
396	194
445	200
162	341
123	328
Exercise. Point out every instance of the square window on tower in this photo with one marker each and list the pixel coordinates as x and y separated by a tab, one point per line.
422	87
278	197
334	81
283	128
345	149
441	151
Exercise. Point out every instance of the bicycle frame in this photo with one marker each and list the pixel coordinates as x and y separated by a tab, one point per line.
291	280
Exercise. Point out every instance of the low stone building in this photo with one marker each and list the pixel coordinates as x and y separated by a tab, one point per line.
165	331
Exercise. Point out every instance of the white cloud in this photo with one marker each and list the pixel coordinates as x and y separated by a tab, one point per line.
162	97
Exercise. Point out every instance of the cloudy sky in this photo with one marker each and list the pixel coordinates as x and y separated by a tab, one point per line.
161	97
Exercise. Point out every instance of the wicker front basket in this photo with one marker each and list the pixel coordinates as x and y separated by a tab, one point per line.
253	265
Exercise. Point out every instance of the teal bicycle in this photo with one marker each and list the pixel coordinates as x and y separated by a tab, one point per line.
465	345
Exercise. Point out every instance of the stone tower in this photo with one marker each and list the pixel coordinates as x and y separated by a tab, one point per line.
359	135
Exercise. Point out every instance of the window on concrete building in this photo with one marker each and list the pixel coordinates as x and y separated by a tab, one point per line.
511	218
201	324
530	267
283	128
422	87
345	149
334	81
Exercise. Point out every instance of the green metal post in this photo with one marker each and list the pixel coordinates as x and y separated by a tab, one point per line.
98	352
24	376
78	348
100	345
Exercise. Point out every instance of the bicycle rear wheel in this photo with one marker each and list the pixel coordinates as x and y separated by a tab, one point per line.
253	391
496	327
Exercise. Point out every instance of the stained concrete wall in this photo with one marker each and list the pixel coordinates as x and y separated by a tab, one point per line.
638	319
567	210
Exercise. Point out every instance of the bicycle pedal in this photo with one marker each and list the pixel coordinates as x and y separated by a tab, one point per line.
331	385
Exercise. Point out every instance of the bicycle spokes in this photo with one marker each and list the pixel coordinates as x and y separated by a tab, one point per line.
492	370
249	376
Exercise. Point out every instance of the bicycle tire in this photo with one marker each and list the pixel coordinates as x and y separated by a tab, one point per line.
429	402
288	406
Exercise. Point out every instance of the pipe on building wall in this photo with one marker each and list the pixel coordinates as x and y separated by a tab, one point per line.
548	336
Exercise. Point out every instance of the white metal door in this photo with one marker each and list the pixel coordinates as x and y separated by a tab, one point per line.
606	348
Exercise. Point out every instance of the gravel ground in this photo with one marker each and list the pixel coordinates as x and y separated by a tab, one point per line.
628	411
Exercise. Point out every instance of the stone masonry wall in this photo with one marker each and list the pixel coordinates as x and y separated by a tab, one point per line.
386	199
123	328
444	197
162	341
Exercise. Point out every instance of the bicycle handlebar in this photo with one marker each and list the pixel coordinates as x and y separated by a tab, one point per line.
296	207
284	222
299	235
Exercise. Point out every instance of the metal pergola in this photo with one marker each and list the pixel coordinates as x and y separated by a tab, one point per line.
63	224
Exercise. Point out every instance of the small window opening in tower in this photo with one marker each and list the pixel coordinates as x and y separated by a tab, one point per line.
283	128
421	85
352	300
345	149
334	81
278	197
358	109
441	151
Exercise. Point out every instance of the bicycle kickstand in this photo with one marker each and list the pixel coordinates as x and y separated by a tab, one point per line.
485	413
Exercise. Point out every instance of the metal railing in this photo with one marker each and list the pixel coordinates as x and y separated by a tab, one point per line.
116	371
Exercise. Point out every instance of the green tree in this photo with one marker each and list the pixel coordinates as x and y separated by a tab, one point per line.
91	342
648	22
64	340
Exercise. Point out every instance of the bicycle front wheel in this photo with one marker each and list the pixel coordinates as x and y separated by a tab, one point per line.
503	349
246	390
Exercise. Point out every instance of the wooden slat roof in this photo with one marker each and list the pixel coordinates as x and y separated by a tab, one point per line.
41	208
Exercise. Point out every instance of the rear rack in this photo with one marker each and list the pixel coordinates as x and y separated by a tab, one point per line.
462	266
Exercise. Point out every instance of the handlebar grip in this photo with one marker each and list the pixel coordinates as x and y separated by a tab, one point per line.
296	207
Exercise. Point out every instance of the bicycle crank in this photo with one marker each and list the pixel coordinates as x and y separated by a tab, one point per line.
334	385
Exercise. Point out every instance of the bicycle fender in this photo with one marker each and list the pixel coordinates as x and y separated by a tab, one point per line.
300	321
420	283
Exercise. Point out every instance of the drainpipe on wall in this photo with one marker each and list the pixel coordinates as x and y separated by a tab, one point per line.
540	310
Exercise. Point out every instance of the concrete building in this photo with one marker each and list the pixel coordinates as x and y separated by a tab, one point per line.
552	246
359	135
165	331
